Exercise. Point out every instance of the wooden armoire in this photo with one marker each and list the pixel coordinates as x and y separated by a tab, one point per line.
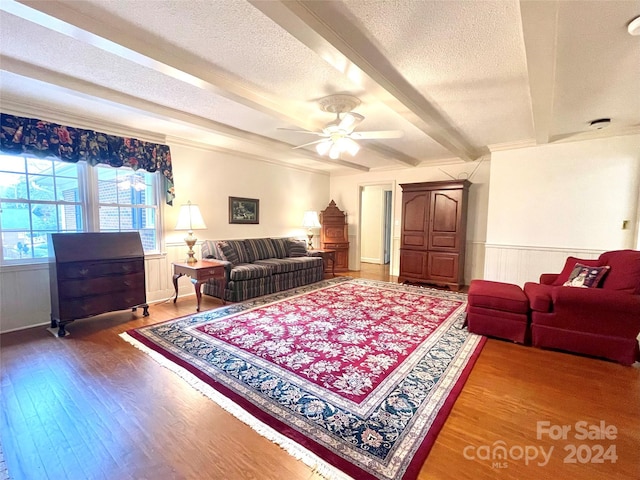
334	235
433	235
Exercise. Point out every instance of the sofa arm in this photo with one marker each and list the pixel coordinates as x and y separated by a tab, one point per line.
597	310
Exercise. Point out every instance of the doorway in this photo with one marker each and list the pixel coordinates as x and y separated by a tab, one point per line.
376	208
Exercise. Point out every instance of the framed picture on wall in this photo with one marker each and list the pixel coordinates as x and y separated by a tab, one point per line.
244	210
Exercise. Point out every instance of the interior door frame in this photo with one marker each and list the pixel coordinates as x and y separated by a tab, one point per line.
358	253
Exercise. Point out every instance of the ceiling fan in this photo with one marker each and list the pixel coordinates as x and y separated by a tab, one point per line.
339	135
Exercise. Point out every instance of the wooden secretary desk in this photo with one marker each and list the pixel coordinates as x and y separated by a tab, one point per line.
334	235
94	273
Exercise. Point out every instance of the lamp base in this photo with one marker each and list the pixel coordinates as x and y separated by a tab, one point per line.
310	241
190	240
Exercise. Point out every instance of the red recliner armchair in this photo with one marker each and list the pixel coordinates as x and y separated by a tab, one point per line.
602	321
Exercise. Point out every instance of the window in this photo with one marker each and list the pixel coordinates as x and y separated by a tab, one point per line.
42	196
127	201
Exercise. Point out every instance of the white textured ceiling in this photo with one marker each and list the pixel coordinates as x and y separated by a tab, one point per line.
458	78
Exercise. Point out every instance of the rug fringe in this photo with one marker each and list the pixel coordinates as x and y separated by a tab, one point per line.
294	449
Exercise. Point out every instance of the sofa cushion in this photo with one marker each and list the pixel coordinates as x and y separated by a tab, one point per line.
297	248
568	268
625	271
248	271
260	248
307	262
586	277
234	251
280	265
280	246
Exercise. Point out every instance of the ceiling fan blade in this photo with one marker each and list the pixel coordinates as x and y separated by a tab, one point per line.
302	131
310	143
377	134
349	121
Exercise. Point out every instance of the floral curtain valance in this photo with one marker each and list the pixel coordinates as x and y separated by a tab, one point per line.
20	135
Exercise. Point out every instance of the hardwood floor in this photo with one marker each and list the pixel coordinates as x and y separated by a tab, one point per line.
91	406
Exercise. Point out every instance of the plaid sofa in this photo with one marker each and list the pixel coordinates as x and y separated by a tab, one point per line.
260	266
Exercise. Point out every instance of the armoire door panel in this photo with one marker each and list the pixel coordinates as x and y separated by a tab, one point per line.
415	210
443	240
414	218
413	264
445	212
445	209
409	240
443	266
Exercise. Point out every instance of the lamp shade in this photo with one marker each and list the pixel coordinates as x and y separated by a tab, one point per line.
190	218
310	220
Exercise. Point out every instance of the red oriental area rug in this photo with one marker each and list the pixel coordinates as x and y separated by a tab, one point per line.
355	377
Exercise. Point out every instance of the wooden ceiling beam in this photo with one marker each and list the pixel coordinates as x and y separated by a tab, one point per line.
325	28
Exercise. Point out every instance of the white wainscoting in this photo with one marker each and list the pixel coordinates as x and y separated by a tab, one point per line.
24	297
519	264
24	290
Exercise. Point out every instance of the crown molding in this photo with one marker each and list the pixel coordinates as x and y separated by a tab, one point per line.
500	147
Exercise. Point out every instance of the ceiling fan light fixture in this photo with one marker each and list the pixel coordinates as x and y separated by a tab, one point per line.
634	27
334	151
349	121
323	147
339	135
349	146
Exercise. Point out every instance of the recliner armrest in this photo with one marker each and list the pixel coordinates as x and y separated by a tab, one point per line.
548	278
611	300
594	309
539	296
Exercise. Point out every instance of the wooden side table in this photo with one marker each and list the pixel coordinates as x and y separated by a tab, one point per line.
199	272
326	255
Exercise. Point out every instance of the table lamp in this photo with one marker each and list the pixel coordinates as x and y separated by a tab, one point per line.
309	221
190	219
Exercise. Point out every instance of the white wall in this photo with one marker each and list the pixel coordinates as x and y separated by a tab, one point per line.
345	190
550	201
210	178
204	177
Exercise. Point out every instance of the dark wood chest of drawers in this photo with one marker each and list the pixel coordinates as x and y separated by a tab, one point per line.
94	273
